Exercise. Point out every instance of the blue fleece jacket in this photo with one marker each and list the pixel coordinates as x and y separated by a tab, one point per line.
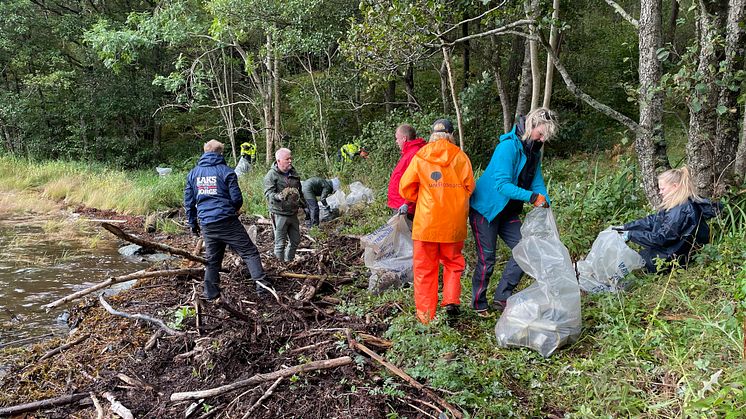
211	193
498	183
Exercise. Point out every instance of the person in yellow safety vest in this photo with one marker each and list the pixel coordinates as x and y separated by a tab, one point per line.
248	154
348	152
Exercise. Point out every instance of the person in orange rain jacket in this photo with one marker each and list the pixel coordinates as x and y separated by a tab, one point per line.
439	180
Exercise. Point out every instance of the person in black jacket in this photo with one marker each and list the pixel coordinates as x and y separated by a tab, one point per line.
678	228
213	197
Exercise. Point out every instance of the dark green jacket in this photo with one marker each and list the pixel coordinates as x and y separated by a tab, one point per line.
316	186
274	182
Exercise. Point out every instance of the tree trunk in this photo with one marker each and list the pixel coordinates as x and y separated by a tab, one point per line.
447	60
524	90
466	52
512	78
412	103
389	95
500	84
702	103
553	42
532	11
276	91
267	104
726	136
444	91
741	153
671	35
650	142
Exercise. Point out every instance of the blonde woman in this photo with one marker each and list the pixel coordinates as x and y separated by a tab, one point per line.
512	178
680	225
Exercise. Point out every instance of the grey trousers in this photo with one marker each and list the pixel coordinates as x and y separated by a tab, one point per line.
287	236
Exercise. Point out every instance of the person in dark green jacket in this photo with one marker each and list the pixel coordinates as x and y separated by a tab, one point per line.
283	193
317	187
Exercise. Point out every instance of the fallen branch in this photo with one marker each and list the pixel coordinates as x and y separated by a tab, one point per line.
25	340
301	276
124	278
97	404
315	345
260	378
139	316
41	404
308	291
151	244
150	344
406	377
264	397
59	349
135	382
118	408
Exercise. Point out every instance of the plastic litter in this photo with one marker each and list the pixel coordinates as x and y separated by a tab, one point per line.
545	315
163	171
243	167
608	262
337	201
359	193
388	255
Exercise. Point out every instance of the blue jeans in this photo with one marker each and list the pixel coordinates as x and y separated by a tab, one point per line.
485	237
229	232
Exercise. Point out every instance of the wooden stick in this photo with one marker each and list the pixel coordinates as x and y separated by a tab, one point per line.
139	316
301	276
25	340
315	345
97	404
124	278
118	408
151	244
150	344
134	382
41	404
260	378
59	349
264	397
406	377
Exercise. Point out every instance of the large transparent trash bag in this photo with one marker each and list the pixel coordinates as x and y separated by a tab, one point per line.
545	315
608	262
338	201
243	167
359	194
388	255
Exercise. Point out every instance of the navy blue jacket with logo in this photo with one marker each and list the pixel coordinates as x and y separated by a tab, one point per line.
211	193
674	233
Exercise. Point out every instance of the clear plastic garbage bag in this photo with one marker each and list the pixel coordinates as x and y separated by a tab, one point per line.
243	167
163	171
359	193
338	201
608	262
388	255
545	315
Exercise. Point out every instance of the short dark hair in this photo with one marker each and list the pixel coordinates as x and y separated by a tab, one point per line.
408	131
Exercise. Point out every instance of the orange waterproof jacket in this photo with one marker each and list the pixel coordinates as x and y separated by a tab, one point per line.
439	179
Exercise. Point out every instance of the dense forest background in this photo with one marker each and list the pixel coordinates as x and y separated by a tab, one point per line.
140	83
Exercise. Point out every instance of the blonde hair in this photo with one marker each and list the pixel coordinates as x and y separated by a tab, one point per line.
682	193
442	136
213	146
541	117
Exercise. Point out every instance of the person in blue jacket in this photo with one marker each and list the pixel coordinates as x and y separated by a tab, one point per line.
678	228
212	200
512	178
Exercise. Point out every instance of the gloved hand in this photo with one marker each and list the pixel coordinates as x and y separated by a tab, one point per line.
403	209
539	200
195	229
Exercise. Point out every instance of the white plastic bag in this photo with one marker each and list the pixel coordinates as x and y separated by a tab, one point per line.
163	171
243	167
545	315
359	193
609	260
337	200
388	254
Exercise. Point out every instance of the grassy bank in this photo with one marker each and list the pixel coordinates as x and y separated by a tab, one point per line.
671	346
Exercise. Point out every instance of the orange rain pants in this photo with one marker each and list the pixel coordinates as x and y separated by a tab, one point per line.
427	257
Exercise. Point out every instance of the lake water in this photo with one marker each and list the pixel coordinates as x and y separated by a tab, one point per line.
37	268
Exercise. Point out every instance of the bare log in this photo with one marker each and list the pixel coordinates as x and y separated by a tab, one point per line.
118	408
124	278
406	377
42	404
260	378
59	349
138	316
151	244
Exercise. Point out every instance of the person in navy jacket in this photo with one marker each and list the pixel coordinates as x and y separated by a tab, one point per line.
212	200
678	228
512	178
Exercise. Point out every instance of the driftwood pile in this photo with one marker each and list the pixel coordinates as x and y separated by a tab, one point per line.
144	365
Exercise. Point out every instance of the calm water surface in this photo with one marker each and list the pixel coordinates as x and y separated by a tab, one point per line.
36	269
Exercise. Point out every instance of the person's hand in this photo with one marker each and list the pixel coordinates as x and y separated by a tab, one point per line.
539	200
323	203
195	229
403	209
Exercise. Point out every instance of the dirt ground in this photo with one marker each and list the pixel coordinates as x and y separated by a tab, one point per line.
241	336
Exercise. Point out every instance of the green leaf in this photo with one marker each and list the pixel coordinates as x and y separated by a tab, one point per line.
721	109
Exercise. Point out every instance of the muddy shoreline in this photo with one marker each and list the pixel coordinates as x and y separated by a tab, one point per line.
241	337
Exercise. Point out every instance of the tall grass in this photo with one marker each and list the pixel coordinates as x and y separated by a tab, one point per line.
93	185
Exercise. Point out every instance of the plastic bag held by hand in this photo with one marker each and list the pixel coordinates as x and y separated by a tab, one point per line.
609	260
546	315
388	254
